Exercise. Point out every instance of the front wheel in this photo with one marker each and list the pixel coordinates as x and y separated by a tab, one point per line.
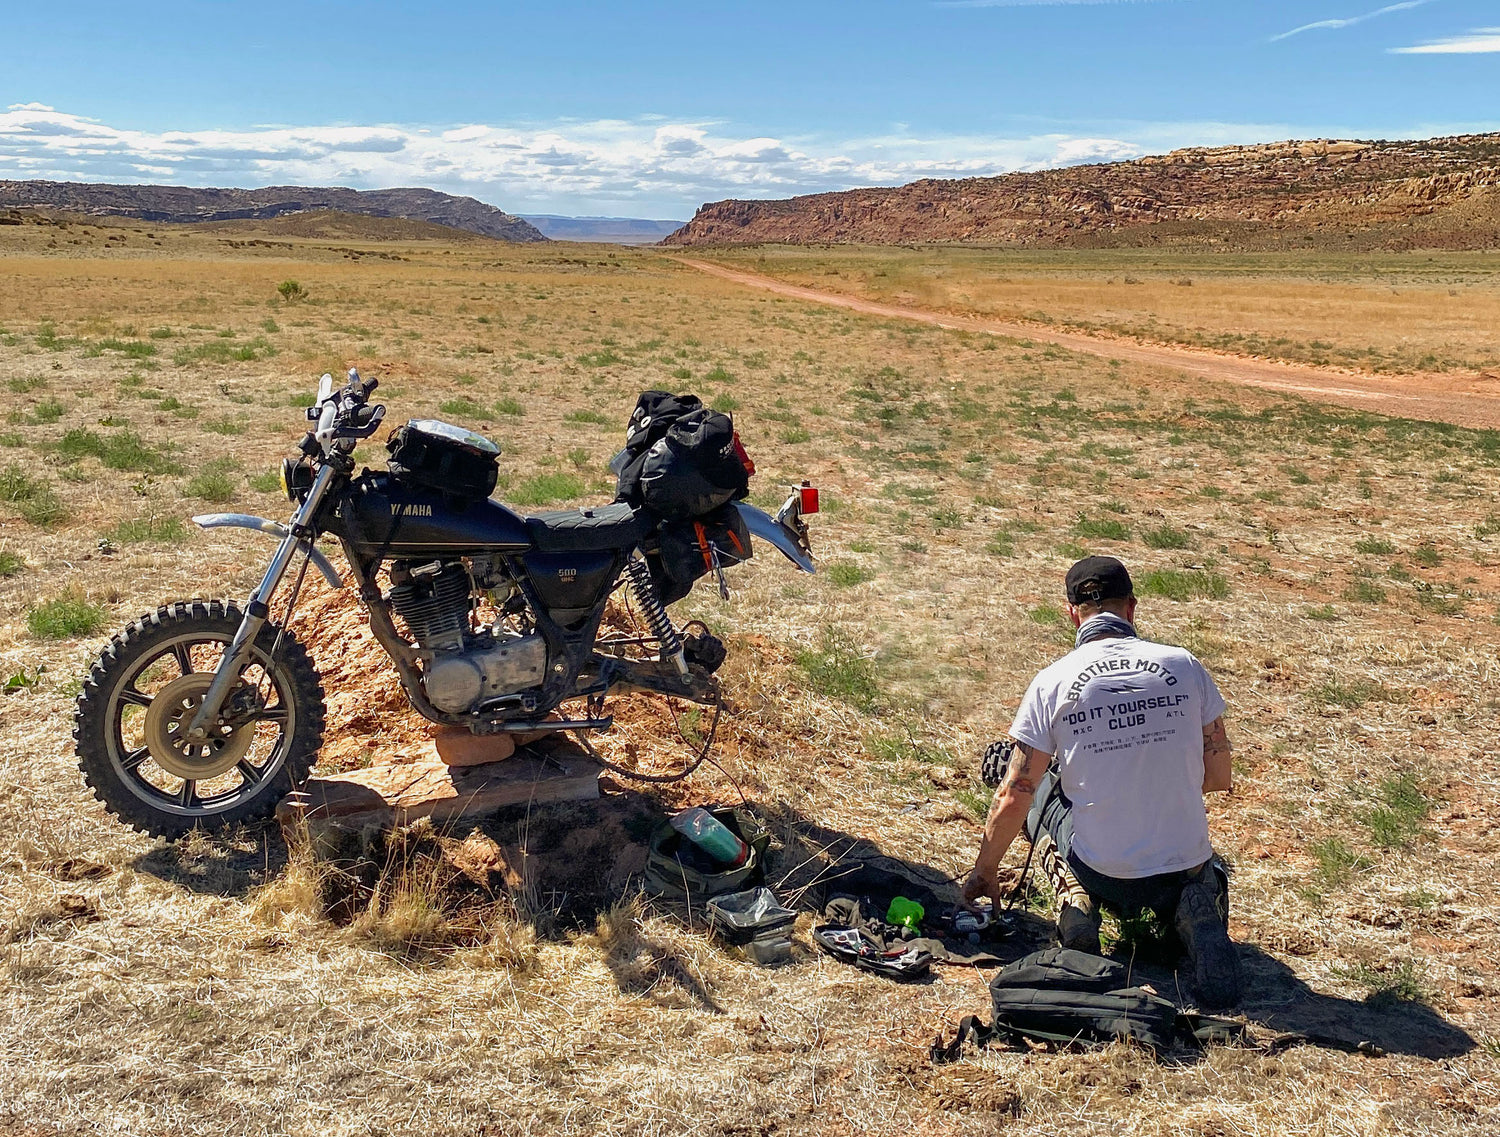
130	726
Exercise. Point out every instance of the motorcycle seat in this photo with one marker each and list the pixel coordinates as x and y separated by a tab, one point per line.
583	530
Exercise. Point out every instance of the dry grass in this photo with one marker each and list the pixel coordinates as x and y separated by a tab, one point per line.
204	988
1389	313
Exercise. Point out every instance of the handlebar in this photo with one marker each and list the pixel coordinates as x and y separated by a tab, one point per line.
345	414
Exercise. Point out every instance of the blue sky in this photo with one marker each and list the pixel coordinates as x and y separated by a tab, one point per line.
650	109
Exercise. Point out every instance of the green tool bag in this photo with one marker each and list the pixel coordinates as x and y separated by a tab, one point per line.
676	869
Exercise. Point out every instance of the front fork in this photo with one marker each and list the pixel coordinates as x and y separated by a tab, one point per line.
258	609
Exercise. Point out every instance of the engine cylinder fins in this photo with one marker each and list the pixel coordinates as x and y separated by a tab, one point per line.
644	591
435	607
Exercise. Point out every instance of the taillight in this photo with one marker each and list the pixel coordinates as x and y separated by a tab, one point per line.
808	498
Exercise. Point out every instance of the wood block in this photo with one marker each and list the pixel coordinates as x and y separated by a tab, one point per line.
398	793
458	747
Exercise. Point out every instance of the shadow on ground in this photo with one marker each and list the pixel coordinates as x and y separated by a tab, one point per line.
572	867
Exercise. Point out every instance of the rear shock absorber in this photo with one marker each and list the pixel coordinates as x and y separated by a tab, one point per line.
644	591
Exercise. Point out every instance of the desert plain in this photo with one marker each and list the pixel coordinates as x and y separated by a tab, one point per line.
1335	567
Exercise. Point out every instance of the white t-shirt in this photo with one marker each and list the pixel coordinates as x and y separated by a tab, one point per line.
1125	718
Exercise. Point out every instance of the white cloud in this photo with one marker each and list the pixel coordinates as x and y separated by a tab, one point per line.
1350	21
1481	41
606	165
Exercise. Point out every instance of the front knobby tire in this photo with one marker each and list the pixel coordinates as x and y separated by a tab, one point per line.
129	726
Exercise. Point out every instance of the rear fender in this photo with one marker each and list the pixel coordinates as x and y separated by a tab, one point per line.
792	544
270	529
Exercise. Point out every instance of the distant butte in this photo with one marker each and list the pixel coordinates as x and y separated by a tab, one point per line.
1439	193
184	204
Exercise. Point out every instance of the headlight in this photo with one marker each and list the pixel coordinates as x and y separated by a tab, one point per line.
296	478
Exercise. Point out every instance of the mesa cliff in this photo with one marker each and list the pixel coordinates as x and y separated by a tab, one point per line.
184	204
1437	193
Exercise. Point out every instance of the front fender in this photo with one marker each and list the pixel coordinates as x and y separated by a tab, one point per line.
761	524
270	529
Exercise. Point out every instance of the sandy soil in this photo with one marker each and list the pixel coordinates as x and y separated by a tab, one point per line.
1438	398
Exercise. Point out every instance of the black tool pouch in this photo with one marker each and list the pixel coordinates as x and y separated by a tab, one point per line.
441	458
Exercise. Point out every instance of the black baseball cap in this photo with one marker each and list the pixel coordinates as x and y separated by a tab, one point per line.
1098	578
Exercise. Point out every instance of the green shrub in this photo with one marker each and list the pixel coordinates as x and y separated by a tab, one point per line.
1165	537
301	399
1386	987
124	450
11	563
266	482
225	425
838	670
215	482
23	383
291	292
224	351
845	574
49	410
509	406
544	489
36	501
1182	584
717	375
1374	546
1396	820
463	408
724	402
1337	862
1354	693
133	349
65	616
161	333
155	530
1364	591
1102	529
593	417
605	357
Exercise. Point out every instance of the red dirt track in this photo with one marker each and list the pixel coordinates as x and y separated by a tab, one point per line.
1472	401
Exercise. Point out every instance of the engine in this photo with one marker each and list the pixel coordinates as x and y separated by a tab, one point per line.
465	668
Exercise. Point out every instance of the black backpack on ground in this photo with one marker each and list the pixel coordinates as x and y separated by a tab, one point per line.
1072	998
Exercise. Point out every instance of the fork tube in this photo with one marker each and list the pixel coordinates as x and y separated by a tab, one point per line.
257	609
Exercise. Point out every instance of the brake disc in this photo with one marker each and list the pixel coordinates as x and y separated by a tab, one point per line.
167	722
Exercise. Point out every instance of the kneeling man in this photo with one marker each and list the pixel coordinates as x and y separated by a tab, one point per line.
1137	732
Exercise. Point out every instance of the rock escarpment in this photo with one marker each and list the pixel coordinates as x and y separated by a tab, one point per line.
188	204
1443	192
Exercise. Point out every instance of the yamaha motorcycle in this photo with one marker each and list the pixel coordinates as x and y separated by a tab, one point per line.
205	713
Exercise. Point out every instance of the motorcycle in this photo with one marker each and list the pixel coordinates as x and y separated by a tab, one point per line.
205	713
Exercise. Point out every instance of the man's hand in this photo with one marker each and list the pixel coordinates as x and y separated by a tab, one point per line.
993	887
1006	817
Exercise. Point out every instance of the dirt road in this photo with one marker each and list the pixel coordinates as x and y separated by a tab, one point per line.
1467	401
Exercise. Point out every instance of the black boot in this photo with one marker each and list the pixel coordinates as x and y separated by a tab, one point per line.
1078	927
1202	923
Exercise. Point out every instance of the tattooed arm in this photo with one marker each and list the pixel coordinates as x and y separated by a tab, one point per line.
1217	774
1007	814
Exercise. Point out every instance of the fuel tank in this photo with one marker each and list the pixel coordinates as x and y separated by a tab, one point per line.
377	515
